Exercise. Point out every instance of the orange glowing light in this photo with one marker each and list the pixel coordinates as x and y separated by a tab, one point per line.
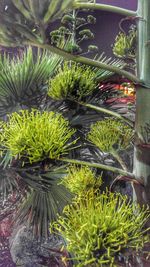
127	88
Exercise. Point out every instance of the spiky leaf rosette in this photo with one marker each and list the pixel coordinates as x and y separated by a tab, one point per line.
34	136
23	80
76	81
110	134
72	81
125	44
101	74
80	179
97	227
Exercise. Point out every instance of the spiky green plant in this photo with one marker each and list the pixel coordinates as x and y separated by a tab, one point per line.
72	81
124	45
80	179
110	134
97	227
76	81
35	136
23	80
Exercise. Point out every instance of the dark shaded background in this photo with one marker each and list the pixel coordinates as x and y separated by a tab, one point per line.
107	27
129	4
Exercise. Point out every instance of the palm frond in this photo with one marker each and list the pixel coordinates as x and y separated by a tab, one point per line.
25	20
40	179
101	74
6	159
23	81
45	200
8	183
110	98
56	8
122	106
85	120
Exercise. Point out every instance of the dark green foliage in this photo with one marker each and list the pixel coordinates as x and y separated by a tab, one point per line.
101	74
91	19
37	139
23	80
73	48
41	178
26	19
45	199
97	227
8	183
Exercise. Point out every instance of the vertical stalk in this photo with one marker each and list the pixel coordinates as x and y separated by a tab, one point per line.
142	148
74	27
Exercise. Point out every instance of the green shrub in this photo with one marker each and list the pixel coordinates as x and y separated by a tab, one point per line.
110	134
72	81
23	81
97	227
124	45
80	179
35	136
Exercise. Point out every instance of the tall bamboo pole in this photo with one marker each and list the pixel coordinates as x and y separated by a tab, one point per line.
142	144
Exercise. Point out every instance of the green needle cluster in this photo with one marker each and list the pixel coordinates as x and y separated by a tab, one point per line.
97	227
35	136
110	134
72	81
124	44
80	179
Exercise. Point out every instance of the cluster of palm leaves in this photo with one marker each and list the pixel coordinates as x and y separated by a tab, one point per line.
54	119
24	83
23	80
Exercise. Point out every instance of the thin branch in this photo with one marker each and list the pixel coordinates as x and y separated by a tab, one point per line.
119	159
99	166
109	112
86	61
82	25
109	8
79	40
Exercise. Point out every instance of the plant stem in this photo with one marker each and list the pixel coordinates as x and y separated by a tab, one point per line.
104	110
99	166
74	27
86	61
119	159
142	152
109	8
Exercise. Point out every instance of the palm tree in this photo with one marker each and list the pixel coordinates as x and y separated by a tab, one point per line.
25	23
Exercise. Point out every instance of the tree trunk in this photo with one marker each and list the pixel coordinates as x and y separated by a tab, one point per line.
142	123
